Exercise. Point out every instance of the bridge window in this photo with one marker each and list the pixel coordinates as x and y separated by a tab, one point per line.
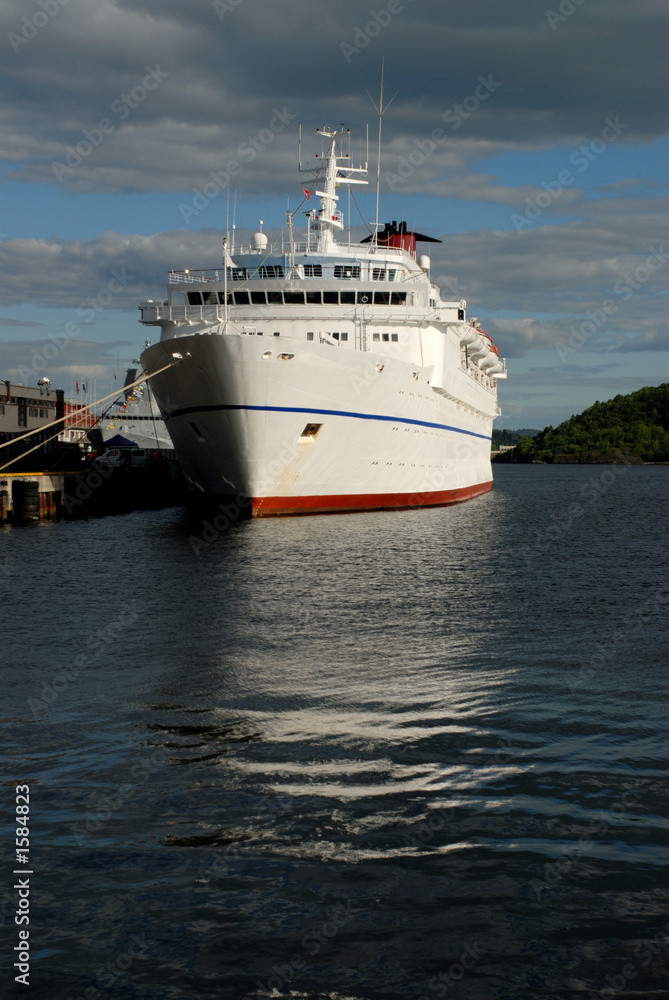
381	298
293	298
331	298
314	298
398	298
378	274
241	298
275	298
313	271
346	271
258	298
347	298
364	298
194	298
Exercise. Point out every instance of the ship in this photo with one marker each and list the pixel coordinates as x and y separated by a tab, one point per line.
324	375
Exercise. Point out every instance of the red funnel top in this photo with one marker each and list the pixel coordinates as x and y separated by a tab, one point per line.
393	235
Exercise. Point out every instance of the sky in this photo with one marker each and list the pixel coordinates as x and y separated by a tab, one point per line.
531	140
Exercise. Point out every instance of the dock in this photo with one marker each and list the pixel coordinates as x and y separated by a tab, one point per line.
94	491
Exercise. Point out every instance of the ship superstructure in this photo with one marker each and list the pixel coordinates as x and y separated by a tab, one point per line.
321	375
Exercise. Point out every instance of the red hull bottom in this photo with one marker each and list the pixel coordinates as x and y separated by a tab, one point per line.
349	504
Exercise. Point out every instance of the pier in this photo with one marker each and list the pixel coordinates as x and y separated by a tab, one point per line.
96	490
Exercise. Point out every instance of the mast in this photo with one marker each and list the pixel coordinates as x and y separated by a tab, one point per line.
225	285
336	170
380	111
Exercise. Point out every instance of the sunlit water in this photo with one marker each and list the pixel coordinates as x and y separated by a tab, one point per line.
410	754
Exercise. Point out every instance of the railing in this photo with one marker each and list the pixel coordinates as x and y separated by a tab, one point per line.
188	277
478	376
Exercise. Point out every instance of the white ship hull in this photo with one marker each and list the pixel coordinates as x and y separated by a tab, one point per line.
324	376
383	439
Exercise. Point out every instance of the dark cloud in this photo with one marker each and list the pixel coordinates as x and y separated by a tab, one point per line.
112	271
225	74
225	71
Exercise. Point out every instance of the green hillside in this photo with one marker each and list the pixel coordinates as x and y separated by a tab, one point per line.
504	437
632	428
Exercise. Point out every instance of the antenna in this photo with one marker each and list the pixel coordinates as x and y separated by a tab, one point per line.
299	147
380	112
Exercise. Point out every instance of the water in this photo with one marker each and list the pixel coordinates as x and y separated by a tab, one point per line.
410	754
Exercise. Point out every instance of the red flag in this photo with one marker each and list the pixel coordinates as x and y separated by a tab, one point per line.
307	194
77	387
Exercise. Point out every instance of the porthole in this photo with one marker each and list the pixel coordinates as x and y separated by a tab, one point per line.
267	354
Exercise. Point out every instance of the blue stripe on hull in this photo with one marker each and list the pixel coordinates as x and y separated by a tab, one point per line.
330	413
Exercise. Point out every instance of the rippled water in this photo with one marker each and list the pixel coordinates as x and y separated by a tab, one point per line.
410	754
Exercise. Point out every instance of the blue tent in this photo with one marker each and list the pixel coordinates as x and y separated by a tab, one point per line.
118	441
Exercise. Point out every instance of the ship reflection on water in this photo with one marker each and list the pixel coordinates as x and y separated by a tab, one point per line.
353	756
